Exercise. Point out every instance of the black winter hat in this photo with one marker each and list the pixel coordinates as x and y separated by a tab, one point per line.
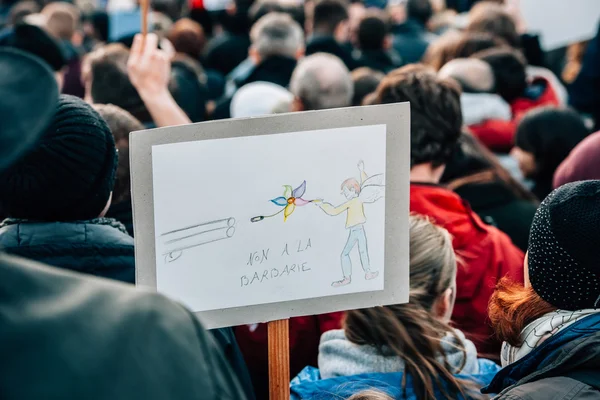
563	247
69	175
34	40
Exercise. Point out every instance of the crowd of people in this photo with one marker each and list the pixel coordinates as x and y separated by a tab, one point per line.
504	198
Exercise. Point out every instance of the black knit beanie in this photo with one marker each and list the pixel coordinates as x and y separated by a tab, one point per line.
69	175
563	247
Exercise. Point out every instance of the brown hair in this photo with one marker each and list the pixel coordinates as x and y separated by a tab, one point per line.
63	19
453	45
412	331
512	307
121	123
187	36
493	18
435	113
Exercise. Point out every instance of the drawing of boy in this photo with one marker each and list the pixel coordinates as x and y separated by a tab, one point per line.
355	220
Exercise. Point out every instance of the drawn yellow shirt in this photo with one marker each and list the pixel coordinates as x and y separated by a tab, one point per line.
356	211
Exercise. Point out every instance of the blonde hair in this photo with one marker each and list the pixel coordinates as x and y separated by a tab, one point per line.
412	331
62	19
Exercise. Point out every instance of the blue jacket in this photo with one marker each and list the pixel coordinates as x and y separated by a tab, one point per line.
540	374
309	385
99	247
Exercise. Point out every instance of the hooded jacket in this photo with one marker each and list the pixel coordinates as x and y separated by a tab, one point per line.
346	368
99	247
565	366
485	255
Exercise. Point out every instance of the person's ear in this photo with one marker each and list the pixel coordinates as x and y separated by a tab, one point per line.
387	42
77	38
444	305
341	33
300	53
297	105
253	55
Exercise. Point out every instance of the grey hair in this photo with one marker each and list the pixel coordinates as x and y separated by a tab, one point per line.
322	81
277	34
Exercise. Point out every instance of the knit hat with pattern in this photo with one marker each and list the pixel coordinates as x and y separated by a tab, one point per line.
563	247
69	174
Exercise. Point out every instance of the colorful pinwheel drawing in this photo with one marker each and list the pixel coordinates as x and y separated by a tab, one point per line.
289	201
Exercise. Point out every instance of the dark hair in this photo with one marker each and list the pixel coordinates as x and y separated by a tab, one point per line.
550	134
187	37
454	45
493	18
328	14
20	10
372	31
473	163
261	8
411	331
121	123
419	10
365	81
509	66
435	113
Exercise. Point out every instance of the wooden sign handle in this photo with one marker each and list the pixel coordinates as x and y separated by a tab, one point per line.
145	6
279	359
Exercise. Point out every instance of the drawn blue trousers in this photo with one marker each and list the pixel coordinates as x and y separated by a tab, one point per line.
356	236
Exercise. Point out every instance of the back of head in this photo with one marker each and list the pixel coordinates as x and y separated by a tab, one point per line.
372	31
327	15
413	331
419	10
550	134
454	45
69	174
258	98
322	81
582	164
493	18
62	19
473	75
120	123
105	74
187	37
261	8
435	113
509	66
37	41
365	81
277	34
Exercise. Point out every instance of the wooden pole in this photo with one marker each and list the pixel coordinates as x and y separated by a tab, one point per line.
279	359
145	6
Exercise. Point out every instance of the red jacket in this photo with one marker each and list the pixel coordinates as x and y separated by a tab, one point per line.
485	255
305	334
499	135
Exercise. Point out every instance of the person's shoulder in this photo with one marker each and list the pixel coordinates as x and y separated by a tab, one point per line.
558	388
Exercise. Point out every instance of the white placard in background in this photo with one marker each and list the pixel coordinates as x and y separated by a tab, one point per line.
561	22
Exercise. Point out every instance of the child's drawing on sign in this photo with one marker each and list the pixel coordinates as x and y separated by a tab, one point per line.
289	201
368	190
178	240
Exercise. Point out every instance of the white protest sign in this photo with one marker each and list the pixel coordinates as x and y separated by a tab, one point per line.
260	219
561	22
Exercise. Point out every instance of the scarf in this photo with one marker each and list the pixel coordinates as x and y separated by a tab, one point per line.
539	330
340	357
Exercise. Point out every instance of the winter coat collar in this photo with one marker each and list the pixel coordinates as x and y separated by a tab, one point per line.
576	347
97	221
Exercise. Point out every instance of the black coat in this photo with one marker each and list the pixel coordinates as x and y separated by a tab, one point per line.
380	60
411	40
497	205
275	69
328	44
226	51
66	336
100	247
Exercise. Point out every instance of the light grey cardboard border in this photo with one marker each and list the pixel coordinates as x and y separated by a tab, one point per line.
396	117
